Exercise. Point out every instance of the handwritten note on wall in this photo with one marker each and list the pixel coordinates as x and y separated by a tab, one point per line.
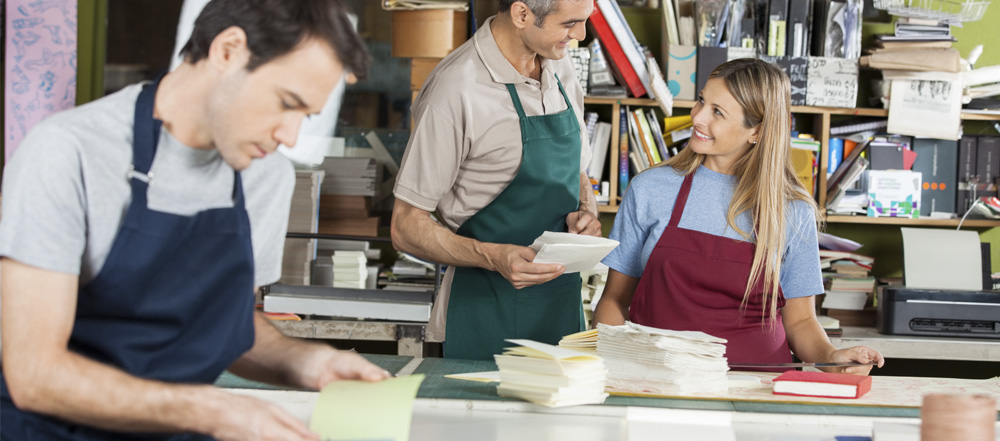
40	64
832	82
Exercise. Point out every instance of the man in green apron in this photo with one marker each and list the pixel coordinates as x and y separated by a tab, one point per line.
498	150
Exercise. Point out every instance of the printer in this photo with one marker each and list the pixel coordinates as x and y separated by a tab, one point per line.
933	312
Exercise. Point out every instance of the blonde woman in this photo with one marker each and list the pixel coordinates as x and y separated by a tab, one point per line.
722	238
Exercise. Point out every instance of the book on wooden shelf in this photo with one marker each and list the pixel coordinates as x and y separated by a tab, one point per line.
822	384
601	24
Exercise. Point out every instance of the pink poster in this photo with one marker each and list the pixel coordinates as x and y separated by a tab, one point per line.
40	64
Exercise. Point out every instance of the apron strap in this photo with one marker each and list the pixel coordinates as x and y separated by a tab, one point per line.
517	101
563	92
145	135
682	197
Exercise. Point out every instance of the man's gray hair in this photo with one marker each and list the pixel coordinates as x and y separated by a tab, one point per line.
541	8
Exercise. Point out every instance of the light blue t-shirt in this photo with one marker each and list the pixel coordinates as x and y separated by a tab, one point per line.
645	213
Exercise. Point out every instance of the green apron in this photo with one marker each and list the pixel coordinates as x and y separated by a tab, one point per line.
484	308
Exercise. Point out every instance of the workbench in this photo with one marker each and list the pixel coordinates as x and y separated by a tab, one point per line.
454	409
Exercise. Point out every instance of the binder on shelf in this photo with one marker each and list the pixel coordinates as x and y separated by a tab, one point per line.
967	158
657	134
602	29
633	50
777	16
600	144
798	40
647	136
623	151
988	158
937	161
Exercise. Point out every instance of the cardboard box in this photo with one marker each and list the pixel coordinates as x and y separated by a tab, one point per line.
420	69
681	67
428	33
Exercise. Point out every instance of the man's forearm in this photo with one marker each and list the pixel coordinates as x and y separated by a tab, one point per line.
275	358
414	232
75	388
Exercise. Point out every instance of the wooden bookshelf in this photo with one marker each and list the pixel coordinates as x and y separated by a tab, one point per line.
821	122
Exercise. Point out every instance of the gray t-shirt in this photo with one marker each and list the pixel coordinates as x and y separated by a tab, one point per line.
66	192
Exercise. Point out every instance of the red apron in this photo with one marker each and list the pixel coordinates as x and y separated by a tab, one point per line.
694	281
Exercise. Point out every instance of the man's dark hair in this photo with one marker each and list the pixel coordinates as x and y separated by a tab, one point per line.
541	8
276	27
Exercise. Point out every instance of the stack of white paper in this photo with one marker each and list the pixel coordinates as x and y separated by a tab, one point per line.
350	269
573	251
648	360
550	375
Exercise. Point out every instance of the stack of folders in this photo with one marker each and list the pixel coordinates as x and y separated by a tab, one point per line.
550	375
648	360
350	269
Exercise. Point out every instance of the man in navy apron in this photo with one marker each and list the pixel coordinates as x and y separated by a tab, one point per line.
137	227
498	151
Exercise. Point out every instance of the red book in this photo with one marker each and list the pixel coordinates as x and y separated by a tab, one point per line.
614	50
822	384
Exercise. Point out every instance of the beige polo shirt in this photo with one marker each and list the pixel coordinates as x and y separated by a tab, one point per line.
466	141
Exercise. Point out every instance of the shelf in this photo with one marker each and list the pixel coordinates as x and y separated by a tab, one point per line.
840	219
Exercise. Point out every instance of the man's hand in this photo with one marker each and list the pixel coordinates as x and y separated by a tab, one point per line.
859	354
583	222
514	264
250	419
323	366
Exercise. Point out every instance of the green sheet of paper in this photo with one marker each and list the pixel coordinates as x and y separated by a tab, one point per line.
358	410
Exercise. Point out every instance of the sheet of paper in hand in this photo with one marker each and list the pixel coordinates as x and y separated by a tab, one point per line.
574	251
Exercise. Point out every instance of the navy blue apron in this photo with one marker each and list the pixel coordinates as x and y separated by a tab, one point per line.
173	301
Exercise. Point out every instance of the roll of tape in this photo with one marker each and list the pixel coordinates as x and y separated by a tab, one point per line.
945	417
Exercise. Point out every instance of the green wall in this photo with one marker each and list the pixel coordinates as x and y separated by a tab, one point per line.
985	32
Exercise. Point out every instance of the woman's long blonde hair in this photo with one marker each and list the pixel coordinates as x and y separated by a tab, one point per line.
766	181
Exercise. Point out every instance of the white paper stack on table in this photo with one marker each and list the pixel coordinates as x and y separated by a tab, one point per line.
574	251
642	359
350	269
550	375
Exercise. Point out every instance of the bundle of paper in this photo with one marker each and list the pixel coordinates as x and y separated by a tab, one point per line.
574	251
550	375
641	359
585	341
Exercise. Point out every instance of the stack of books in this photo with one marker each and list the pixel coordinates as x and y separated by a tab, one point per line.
916	45
550	375
347	196
303	217
350	269
647	360
849	296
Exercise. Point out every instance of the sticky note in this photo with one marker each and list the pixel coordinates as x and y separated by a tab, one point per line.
359	410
